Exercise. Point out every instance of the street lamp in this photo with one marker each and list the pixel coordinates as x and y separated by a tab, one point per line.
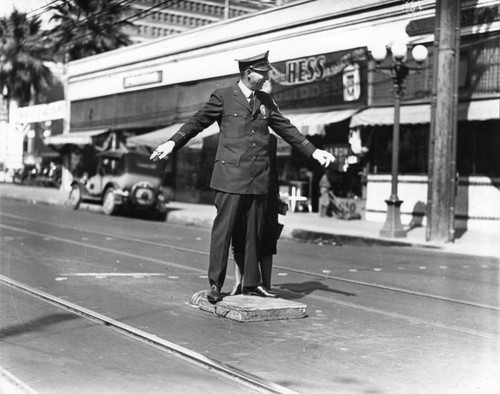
398	70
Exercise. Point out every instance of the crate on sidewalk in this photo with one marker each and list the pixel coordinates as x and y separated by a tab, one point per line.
252	308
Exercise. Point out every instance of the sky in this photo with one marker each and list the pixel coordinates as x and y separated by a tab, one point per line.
7	6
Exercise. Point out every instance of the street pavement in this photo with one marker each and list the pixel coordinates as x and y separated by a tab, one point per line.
380	319
302	225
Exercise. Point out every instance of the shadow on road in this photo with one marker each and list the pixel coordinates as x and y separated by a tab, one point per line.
299	290
36	324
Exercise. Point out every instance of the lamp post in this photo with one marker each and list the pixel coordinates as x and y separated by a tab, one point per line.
398	70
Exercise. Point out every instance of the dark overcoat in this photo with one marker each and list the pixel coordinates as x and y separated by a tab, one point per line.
242	159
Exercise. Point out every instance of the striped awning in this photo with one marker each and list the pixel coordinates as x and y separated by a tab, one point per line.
476	110
311	123
157	137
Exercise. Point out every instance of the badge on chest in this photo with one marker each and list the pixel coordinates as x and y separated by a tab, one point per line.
264	111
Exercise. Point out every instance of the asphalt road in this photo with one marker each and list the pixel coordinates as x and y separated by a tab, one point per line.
380	319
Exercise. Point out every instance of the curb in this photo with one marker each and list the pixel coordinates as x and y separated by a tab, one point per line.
350	239
177	216
182	215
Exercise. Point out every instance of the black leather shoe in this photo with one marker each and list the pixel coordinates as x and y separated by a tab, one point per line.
259	291
271	292
214	294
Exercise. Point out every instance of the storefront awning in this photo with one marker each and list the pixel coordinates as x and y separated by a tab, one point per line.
409	114
311	123
479	110
157	137
421	113
83	137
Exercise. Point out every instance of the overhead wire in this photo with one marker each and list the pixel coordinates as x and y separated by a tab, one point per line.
26	14
102	12
155	6
135	17
42	7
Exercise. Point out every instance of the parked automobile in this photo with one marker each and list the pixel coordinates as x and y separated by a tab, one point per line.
27	175
124	180
50	175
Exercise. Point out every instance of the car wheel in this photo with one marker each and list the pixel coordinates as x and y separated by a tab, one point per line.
109	205
75	197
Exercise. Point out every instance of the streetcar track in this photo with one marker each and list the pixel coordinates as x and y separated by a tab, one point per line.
316	297
227	371
287	269
408	318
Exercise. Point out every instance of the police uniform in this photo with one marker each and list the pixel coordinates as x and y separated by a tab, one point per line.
241	172
272	228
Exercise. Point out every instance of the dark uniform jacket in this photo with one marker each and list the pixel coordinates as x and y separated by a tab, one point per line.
242	161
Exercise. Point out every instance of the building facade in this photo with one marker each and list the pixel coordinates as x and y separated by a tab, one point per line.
325	83
159	18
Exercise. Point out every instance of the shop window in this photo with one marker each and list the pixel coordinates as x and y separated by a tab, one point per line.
478	147
341	153
413	149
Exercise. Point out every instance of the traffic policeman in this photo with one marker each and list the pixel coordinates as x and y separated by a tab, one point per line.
241	174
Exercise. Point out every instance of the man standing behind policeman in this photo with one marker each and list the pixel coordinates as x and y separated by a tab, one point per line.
240	176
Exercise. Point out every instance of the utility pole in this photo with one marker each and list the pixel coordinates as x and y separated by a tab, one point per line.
442	179
66	170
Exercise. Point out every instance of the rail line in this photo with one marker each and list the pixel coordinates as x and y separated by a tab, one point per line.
283	268
227	371
390	314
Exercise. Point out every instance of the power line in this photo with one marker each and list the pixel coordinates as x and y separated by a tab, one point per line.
151	8
42	7
159	7
26	14
98	13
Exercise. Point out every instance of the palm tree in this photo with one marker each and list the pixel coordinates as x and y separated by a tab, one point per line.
23	53
88	27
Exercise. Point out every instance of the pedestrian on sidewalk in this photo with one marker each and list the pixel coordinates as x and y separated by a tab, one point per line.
240	176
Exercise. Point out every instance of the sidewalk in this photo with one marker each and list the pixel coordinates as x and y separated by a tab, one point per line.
297	225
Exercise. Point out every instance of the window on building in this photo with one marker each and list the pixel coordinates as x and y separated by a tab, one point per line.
413	149
478	147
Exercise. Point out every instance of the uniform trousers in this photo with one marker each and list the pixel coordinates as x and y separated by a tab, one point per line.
230	208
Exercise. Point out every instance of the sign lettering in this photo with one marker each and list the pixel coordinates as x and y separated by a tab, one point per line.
142	79
322	80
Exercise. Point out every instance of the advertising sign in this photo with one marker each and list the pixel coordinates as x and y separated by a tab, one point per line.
142	79
41	112
324	80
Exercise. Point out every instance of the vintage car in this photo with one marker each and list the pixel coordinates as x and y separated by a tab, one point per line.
124	180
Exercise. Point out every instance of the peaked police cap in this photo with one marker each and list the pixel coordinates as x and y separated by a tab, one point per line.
258	62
